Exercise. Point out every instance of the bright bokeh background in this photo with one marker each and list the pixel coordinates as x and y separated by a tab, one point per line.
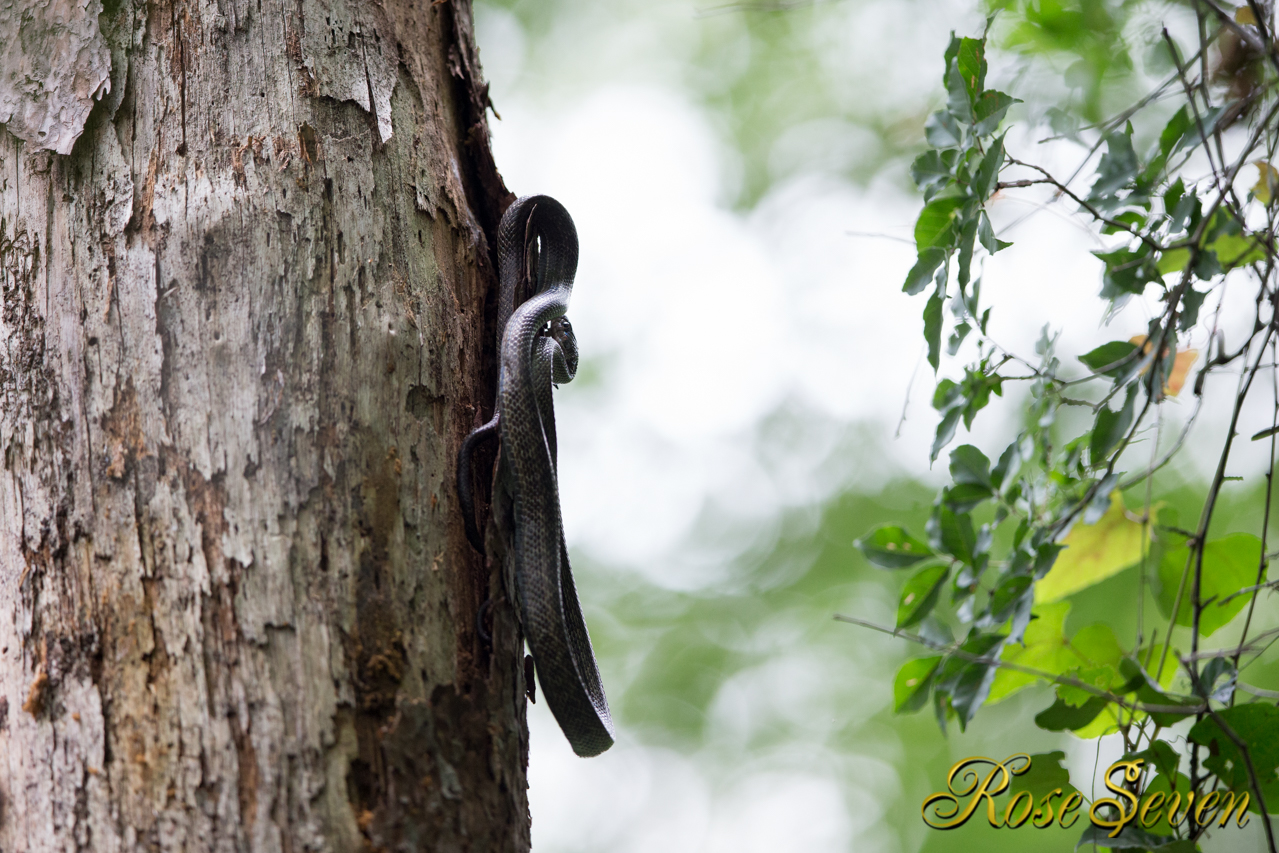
753	396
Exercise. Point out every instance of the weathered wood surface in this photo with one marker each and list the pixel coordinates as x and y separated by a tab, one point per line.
242	335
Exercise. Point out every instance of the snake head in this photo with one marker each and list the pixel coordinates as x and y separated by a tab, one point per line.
565	358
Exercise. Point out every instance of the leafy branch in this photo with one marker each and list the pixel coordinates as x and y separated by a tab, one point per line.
1009	541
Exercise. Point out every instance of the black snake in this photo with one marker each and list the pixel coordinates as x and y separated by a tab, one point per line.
537	252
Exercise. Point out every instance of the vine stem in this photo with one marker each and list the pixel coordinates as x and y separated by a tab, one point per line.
1265	528
1196	556
1253	779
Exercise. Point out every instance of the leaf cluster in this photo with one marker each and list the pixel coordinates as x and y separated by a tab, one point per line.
1014	536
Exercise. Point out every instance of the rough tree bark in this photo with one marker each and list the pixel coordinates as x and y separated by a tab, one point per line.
246	256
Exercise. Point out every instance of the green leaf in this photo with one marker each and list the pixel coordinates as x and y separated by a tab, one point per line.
1127	271
946	395
1257	725
1173	137
911	684
935	226
1173	260
1180	206
971	471
1093	553
1061	716
891	547
922	273
1043	647
965	496
1044	775
1134	220
1110	428
945	432
1099	677
989	111
970	61
958	103
1235	250
942	131
1218	679
1161	754
1007	597
986	235
1097	646
929	171
920	594
968	681
975	392
1131	667
1173	196
952	533
932	328
1008	465
987	176
1207	266
1229	565
969	465
1191	301
1112	359
1118	167
967	240
952	50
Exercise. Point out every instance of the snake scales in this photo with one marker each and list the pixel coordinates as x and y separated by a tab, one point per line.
537	252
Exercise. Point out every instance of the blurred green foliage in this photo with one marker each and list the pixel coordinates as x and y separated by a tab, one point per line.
775	80
667	657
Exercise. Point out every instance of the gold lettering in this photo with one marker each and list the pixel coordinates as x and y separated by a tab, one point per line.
1152	804
1242	815
967	784
1131	773
1207	802
1072	804
946	806
1174	802
1045	811
1012	809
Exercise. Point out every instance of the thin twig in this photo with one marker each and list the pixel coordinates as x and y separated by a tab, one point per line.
1028	670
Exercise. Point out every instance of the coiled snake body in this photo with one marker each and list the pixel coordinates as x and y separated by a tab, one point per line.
537	246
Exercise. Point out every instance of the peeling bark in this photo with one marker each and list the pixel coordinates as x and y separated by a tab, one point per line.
54	63
242	333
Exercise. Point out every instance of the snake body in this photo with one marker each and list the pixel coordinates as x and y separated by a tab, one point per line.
537	250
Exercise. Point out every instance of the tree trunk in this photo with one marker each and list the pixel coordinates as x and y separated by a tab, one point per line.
246	257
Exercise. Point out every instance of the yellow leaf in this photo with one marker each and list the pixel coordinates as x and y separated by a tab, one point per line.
1043	647
1093	553
1243	15
1181	365
1267	175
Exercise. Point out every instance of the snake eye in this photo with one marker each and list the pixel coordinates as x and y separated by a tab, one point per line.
559	328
